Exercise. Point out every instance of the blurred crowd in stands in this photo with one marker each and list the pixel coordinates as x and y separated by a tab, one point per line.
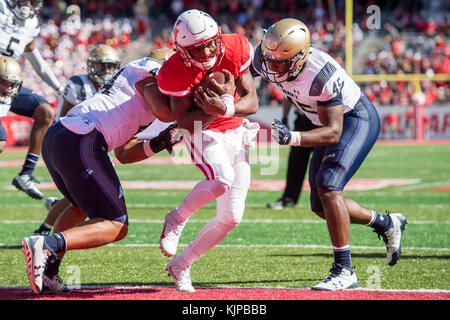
411	41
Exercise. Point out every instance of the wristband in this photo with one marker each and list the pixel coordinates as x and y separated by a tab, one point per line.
228	101
147	149
296	138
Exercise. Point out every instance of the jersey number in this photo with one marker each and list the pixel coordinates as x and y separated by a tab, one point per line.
106	88
10	51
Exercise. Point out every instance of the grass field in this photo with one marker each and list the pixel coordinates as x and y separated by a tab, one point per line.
288	248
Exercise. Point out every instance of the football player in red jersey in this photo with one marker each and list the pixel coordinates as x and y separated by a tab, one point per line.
219	146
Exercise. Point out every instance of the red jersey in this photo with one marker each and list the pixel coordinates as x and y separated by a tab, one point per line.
176	79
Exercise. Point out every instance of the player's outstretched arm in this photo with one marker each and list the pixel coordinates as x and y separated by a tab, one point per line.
332	119
41	67
135	150
158	102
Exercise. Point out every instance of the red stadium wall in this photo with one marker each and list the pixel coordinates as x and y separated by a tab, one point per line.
17	129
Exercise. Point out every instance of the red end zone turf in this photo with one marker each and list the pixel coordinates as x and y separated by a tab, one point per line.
215	294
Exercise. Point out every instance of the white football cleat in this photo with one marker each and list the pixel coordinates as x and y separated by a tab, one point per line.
341	278
168	242
393	236
50	202
181	276
25	182
36	259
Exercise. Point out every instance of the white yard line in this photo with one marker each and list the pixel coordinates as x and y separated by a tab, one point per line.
160	221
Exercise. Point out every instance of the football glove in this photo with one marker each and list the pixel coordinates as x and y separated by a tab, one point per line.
166	139
280	132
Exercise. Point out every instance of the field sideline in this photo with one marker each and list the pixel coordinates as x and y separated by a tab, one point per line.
281	252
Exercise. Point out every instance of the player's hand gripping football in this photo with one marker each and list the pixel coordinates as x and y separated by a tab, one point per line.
166	139
280	132
209	99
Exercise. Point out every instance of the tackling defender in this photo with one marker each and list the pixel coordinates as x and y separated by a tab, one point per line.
75	150
219	150
102	62
348	128
18	29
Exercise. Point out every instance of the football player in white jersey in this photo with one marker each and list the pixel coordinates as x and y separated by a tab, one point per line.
348	128
18	29
75	150
102	62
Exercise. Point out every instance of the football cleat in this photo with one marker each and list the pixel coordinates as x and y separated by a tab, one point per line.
53	285
168	242
181	276
392	237
341	278
50	202
36	259
25	183
281	204
41	232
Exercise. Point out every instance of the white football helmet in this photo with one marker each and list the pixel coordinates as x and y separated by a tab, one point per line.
194	28
24	9
10	79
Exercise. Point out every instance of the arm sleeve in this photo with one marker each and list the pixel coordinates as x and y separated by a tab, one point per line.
42	68
327	86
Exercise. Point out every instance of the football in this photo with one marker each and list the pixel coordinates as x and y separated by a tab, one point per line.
206	82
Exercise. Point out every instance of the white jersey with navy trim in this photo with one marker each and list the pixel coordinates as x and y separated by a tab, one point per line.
117	109
15	34
77	89
322	82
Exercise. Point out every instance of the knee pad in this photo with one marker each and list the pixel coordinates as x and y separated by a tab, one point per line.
218	187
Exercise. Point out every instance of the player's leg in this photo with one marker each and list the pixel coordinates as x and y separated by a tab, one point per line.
333	166
36	107
2	137
230	208
212	161
85	175
56	207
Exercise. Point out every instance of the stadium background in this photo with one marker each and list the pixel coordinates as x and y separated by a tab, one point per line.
411	38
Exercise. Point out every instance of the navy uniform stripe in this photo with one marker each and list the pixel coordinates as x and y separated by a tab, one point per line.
321	79
256	65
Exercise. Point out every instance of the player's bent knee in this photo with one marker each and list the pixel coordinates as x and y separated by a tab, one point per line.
320	214
219	187
2	146
44	113
121	229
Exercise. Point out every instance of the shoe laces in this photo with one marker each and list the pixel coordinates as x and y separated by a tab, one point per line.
174	225
335	271
182	274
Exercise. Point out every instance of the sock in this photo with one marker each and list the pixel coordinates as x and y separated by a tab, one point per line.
380	222
55	243
44	227
342	256
52	267
30	163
